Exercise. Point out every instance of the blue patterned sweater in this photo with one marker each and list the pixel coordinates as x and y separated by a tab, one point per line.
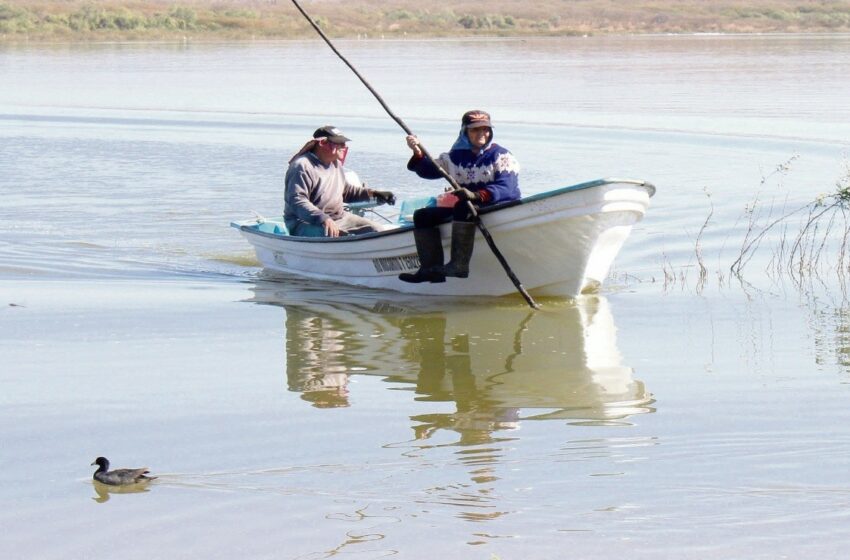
493	173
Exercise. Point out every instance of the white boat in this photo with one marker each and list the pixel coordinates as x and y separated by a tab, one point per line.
558	243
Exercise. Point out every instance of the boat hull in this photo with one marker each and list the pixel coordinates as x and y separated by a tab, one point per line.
559	243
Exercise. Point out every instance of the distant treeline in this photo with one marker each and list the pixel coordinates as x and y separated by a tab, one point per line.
242	19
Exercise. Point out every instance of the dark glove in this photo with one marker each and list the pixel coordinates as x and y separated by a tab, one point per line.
384	197
466	194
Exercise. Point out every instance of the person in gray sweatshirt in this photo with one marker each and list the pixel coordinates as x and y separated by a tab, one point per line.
317	188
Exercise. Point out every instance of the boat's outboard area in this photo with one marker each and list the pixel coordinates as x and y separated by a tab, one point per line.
405	213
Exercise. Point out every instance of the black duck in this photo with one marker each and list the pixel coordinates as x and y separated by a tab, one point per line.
119	477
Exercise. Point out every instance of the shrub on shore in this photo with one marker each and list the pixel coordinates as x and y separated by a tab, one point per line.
234	19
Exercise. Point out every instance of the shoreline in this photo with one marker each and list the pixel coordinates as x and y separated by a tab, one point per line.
216	40
9	40
44	21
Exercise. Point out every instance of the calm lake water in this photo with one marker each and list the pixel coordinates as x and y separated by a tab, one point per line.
662	418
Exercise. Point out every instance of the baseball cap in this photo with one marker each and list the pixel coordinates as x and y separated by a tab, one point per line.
332	133
476	118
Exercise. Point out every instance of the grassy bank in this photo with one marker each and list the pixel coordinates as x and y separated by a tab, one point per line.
63	20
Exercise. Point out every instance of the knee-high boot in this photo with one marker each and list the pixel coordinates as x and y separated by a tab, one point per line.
463	238
430	249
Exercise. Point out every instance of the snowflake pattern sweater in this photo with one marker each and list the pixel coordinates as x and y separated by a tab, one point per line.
493	173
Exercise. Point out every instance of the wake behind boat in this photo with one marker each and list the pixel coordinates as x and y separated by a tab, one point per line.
560	243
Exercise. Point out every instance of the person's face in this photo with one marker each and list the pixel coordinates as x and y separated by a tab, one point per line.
478	136
330	152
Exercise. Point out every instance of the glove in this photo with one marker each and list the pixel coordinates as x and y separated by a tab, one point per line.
384	197
466	194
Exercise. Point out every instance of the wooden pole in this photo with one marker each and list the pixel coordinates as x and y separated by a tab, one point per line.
473	211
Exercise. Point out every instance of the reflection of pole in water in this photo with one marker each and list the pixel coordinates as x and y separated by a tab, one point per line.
556	364
445	373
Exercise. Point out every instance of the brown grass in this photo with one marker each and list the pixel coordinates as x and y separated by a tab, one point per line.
247	19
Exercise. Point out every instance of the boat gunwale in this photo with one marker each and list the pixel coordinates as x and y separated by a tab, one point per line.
406	228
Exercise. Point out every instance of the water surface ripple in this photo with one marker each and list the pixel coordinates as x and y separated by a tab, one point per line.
290	419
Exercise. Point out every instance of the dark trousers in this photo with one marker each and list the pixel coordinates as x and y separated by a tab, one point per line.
436	215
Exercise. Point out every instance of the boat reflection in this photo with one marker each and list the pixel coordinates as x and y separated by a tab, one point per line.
498	362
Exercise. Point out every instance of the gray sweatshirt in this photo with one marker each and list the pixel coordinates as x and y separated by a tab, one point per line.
315	191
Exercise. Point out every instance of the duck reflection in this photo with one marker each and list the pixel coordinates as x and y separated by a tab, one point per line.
104	492
499	363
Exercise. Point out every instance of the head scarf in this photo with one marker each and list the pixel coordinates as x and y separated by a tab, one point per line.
462	142
470	118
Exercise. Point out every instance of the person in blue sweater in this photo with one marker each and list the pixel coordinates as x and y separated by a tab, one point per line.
487	174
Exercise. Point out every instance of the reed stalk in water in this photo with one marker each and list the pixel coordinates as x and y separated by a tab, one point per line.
809	241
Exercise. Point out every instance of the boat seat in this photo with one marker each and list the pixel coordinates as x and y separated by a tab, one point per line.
409	206
277	228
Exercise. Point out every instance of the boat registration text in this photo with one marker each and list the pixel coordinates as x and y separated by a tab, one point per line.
396	264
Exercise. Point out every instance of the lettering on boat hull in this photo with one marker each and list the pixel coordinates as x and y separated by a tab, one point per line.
396	264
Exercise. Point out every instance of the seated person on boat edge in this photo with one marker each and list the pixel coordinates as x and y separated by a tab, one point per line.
487	174
317	188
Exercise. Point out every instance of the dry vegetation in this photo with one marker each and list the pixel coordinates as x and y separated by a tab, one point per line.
805	243
266	19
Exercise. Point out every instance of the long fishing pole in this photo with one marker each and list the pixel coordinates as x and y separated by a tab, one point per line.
481	227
